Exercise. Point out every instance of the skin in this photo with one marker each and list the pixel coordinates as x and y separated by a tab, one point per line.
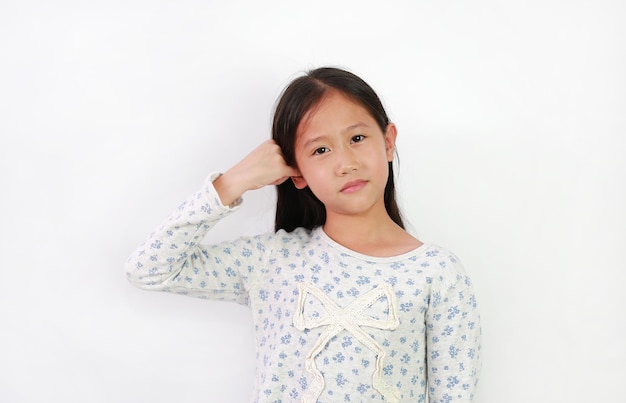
342	156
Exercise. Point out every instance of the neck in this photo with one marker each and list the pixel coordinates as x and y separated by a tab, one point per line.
341	227
374	236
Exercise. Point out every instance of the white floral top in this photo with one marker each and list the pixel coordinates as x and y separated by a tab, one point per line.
331	324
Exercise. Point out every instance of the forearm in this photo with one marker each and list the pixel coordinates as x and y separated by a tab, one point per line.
163	255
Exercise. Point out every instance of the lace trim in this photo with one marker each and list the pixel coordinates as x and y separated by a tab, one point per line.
350	318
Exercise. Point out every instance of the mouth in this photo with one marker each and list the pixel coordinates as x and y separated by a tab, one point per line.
353	186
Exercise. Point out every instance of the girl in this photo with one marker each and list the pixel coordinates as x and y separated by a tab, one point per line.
347	305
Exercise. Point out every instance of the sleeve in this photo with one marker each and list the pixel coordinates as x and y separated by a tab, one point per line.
173	260
453	336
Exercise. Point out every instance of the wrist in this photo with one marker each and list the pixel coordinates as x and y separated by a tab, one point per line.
227	189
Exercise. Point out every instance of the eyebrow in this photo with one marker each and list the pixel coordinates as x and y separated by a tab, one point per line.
347	129
355	126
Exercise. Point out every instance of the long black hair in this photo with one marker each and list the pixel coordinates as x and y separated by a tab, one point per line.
300	207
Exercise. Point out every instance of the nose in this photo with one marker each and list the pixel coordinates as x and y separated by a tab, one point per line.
347	161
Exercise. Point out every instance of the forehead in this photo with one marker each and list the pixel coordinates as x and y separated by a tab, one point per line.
334	113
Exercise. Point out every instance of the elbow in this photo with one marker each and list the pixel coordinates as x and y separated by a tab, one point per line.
134	274
138	281
149	275
139	276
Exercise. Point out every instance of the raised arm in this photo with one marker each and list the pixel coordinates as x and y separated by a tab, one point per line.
172	258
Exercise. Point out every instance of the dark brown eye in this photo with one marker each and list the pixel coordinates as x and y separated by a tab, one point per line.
357	138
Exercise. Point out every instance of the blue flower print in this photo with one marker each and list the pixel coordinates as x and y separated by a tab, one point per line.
388	370
339	357
434	348
453	311
286	339
362	280
341	380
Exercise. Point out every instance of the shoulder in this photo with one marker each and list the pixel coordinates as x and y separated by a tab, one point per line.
438	253
442	265
297	237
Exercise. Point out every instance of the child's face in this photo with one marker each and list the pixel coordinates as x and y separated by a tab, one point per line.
343	156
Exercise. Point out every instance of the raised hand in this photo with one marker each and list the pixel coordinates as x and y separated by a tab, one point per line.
265	165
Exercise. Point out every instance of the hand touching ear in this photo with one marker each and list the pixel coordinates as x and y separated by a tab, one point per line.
265	165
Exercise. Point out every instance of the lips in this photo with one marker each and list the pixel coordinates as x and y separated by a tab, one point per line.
353	186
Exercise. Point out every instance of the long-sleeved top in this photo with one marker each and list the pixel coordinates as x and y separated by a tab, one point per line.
330	324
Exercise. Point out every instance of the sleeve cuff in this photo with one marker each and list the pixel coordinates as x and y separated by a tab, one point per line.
209	183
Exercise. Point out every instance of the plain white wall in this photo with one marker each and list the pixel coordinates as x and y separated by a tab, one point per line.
511	121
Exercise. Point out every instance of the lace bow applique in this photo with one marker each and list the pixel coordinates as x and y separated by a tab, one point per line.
350	318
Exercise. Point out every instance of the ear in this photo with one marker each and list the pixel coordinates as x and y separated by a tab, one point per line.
390	140
299	182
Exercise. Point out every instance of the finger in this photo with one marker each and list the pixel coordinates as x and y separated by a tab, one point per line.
279	181
291	171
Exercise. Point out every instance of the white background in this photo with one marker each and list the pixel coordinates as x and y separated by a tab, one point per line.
511	120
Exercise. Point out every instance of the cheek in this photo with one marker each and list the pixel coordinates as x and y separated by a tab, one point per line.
381	155
309	173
